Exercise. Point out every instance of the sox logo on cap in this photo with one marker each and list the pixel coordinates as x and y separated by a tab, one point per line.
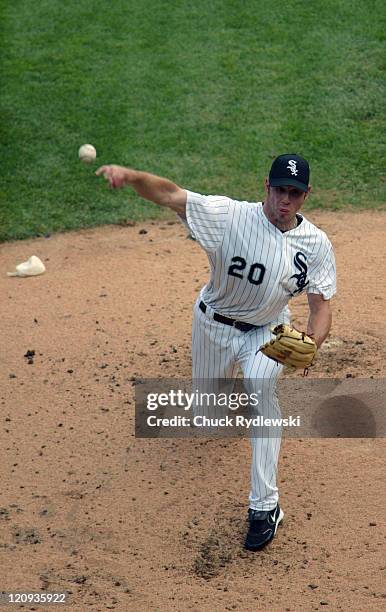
292	167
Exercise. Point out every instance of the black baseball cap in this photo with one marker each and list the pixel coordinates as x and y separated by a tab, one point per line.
290	169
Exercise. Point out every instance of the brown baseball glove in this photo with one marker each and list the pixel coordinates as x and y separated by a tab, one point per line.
290	347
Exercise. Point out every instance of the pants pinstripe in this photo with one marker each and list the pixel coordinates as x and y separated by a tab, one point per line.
220	351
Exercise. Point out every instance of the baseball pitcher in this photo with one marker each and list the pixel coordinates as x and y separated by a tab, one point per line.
261	255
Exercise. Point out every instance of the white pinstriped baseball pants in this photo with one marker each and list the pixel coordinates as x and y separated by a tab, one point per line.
220	351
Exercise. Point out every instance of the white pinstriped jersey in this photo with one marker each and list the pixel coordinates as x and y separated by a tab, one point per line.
255	268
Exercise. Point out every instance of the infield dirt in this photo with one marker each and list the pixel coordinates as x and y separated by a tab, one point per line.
135	524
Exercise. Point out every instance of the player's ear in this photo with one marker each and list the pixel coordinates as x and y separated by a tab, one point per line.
308	191
267	185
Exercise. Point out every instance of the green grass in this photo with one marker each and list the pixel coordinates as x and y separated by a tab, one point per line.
205	93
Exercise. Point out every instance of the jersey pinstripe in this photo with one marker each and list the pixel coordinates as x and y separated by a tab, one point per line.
255	268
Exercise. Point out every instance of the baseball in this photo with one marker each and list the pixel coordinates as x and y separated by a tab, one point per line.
87	153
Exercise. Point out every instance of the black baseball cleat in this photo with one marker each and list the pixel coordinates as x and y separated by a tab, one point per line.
262	527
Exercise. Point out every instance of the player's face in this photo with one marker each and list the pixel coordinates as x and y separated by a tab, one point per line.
282	203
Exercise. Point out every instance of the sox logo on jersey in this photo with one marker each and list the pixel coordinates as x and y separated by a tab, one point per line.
301	278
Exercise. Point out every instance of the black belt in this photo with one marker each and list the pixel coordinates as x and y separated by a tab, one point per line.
240	325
